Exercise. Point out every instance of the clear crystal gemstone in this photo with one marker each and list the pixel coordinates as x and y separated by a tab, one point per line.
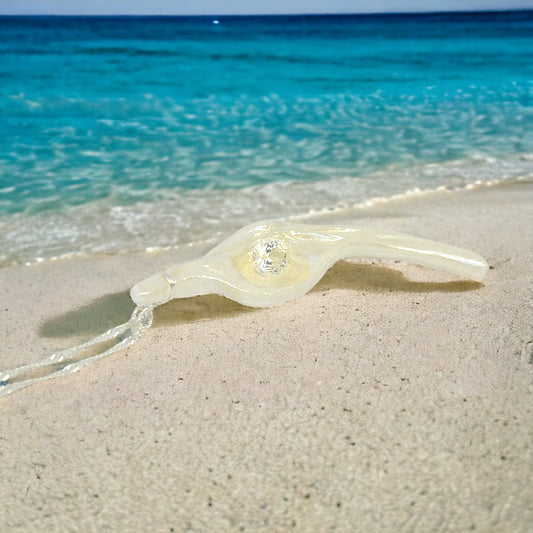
269	256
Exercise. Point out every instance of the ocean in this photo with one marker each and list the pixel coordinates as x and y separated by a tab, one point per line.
122	134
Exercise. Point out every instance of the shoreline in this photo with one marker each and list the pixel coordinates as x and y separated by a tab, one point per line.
179	218
390	397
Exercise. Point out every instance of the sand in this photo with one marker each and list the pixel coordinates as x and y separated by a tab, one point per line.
389	398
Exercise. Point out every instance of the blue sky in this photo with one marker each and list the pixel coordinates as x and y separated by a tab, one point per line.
225	7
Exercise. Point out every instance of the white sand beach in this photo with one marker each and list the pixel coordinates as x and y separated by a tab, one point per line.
389	398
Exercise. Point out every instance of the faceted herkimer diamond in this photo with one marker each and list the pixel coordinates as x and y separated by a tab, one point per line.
269	256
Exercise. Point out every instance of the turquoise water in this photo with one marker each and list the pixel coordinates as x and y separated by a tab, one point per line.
124	133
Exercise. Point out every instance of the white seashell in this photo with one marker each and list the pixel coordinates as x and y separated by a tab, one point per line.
271	262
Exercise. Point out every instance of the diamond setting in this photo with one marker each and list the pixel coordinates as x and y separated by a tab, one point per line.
269	256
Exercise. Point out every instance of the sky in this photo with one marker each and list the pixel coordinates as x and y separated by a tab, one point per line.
247	7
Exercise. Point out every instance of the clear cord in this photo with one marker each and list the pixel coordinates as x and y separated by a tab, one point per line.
66	361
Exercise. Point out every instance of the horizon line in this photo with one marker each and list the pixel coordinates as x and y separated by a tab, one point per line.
296	14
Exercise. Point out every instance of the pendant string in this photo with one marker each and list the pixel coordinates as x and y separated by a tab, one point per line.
65	361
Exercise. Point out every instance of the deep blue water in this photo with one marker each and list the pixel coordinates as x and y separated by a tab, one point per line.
126	114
